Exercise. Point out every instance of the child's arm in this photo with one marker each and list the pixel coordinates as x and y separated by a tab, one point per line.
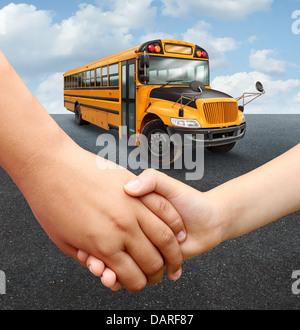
77	204
232	209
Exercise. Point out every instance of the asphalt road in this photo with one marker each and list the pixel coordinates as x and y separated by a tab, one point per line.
250	272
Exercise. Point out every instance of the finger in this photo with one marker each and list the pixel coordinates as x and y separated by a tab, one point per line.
164	239
96	266
153	181
146	255
109	278
117	286
129	274
82	256
164	210
127	271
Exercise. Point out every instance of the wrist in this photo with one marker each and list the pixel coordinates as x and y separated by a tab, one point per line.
33	163
224	213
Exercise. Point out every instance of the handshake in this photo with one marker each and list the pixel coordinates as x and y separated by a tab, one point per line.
184	224
124	228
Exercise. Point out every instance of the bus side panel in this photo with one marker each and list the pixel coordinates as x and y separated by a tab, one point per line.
95	117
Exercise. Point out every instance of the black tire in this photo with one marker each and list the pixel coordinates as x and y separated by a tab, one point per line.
222	149
78	116
155	131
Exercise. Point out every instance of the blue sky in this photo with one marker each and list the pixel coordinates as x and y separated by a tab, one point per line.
247	40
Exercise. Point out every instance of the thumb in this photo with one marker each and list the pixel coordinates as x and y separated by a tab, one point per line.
152	181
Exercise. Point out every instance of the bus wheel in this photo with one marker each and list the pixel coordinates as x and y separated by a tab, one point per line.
78	116
159	149
222	149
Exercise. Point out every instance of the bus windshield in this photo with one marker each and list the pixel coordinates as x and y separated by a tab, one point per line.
167	70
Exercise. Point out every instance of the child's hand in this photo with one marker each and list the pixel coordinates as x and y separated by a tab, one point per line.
165	211
202	214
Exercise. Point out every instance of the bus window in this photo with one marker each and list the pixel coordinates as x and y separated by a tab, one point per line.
83	79
131	81
92	78
79	79
104	76
87	79
201	73
114	75
98	77
164	69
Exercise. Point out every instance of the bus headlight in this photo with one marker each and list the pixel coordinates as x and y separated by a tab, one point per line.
185	123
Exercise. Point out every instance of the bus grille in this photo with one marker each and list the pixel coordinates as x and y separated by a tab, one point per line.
220	112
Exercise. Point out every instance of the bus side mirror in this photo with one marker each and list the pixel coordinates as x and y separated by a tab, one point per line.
259	86
144	64
144	61
144	78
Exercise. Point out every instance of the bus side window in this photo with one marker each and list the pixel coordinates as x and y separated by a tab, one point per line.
76	81
79	79
83	79
92	78
114	75
98	77
88	79
104	76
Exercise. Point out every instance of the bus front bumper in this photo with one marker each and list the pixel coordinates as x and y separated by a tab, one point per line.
208	137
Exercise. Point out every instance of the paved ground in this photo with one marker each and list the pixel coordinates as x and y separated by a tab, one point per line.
251	272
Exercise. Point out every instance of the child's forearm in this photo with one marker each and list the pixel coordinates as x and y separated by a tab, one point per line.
261	196
26	129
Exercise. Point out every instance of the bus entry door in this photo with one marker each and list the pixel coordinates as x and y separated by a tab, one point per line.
128	97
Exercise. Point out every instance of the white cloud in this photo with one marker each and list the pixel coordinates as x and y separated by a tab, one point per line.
276	99
156	35
221	9
50	93
296	98
2	23
216	47
95	31
263	61
36	45
252	39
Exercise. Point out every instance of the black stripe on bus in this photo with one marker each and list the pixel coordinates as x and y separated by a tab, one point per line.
115	112
94	97
111	126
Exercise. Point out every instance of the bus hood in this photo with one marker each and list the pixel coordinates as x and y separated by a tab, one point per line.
173	94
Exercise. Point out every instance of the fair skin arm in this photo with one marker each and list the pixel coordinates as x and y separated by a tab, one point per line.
231	210
80	206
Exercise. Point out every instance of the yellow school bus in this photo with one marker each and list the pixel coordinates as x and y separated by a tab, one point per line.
159	87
